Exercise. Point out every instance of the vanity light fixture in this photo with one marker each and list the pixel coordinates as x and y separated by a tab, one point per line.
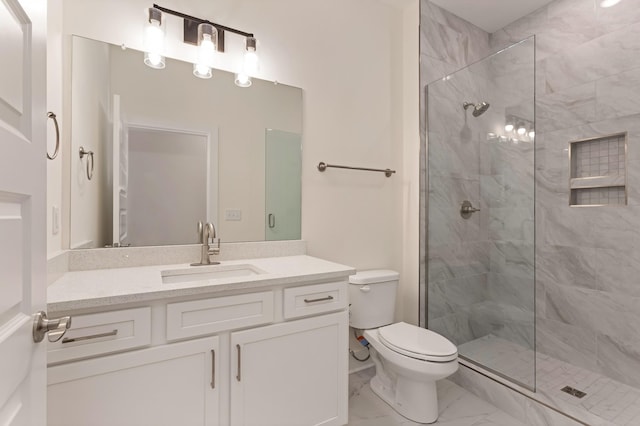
209	37
154	39
249	63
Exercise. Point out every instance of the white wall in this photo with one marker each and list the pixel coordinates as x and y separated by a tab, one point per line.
54	104
91	108
349	59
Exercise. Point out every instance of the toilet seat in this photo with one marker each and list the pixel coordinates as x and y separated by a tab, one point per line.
416	342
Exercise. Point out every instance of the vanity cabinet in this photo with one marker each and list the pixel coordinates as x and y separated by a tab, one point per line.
166	385
277	357
291	373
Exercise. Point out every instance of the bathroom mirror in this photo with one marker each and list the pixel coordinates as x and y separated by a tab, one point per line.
165	149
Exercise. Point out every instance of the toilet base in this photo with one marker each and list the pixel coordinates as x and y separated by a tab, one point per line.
417	401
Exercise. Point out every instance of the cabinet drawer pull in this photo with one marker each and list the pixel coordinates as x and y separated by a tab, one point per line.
318	300
213	369
239	361
92	336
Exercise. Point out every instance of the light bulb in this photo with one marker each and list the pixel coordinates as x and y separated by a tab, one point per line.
154	40
251	62
206	48
609	3
508	127
522	130
532	134
243	80
249	65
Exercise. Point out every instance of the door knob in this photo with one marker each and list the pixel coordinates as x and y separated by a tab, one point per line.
55	327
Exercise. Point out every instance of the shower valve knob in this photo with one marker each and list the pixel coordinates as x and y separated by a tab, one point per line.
467	209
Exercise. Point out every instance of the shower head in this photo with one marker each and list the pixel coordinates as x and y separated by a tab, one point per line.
478	109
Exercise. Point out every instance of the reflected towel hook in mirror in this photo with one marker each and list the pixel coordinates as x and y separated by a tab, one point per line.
89	166
55	123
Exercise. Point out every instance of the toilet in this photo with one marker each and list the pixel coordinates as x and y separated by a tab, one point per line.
408	359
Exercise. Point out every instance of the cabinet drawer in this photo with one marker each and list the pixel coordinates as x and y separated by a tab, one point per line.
102	333
314	299
201	317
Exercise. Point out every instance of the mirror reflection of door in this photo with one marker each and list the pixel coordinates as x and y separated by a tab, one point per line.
168	190
283	189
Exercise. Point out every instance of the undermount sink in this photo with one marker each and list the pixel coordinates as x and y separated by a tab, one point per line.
204	273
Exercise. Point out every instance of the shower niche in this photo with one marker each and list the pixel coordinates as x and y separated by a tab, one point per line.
598	171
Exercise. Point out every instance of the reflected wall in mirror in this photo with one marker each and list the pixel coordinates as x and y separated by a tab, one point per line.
171	149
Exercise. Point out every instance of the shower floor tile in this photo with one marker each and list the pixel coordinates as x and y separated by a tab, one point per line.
607	399
457	406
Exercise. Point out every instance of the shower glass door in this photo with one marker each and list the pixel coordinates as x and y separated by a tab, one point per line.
480	230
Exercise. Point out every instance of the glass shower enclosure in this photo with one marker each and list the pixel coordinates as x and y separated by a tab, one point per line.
480	239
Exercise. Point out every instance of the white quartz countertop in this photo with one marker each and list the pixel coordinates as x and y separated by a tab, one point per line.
103	287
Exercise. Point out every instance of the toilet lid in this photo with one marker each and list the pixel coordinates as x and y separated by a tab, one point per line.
417	342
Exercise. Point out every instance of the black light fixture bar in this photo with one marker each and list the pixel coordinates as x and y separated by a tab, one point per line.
191	27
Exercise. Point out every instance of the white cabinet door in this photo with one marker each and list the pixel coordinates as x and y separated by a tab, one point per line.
168	385
292	373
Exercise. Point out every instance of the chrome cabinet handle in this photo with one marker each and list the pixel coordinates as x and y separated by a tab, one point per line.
318	300
92	336
55	123
239	362
272	220
55	327
213	369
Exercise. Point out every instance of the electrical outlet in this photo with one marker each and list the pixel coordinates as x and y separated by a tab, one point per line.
233	214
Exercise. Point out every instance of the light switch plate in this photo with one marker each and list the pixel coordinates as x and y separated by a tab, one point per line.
55	220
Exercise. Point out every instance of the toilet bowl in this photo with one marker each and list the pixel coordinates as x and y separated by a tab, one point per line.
408	359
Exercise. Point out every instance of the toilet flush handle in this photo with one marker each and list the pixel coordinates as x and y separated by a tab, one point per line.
365	289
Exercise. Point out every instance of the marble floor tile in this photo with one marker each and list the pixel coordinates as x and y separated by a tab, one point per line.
457	407
610	401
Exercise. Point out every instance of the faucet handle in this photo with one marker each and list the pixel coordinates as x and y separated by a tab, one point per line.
214	247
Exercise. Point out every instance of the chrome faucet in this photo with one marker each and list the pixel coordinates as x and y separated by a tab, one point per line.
210	244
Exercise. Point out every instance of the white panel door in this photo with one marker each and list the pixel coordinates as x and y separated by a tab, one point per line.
22	209
291	374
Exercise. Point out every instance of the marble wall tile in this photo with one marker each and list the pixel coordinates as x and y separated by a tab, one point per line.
448	261
519	30
566	108
570	23
619	358
604	56
513	290
610	19
454	327
514	224
617	271
617	95
476	40
566	265
456	295
576	345
602	312
512	258
446	224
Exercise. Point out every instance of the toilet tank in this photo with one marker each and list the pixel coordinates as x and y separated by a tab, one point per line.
372	298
